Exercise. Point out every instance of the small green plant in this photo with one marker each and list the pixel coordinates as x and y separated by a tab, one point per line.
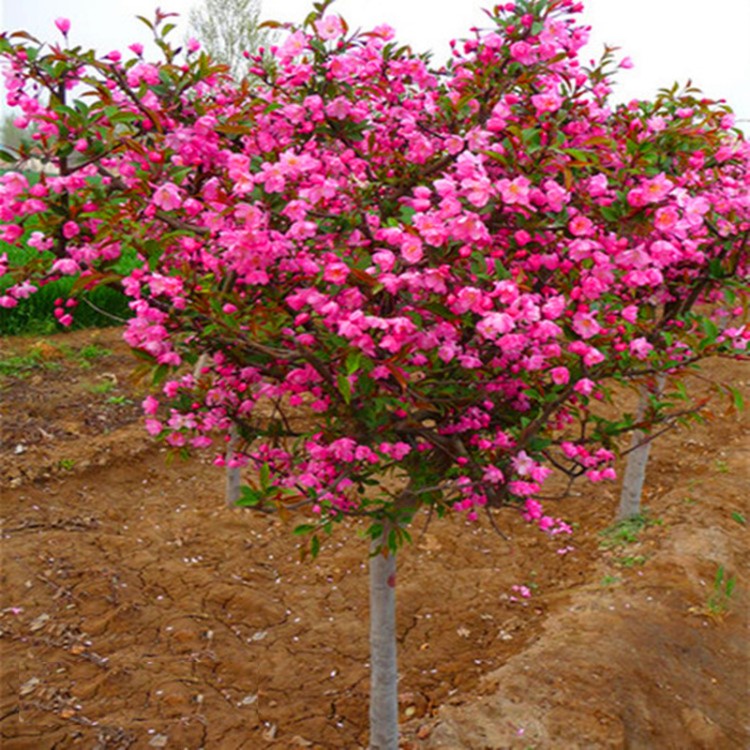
722	466
626	532
737	516
67	464
94	351
104	386
20	366
721	596
632	561
119	400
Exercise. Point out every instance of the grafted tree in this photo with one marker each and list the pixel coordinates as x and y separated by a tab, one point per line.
402	289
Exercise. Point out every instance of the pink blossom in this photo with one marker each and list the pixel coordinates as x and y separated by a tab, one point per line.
167	197
523	464
557	196
63	24
586	325
640	347
493	475
584	386
656	189
523	53
560	375
65	266
70	229
411	249
523	591
329	27
548	101
293	46
495	324
581	226
516	191
665	218
150	405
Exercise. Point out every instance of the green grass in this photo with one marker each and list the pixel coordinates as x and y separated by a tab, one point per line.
35	315
631	561
22	365
625	532
723	589
98	308
105	386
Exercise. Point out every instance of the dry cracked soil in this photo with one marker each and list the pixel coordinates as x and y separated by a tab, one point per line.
138	611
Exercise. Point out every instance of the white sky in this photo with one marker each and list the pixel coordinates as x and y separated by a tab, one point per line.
668	40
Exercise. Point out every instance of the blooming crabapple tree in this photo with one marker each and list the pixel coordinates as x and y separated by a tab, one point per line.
407	287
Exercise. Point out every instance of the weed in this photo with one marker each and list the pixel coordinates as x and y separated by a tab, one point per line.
119	400
737	516
21	366
67	464
92	352
610	580
105	386
626	532
721	596
633	561
722	466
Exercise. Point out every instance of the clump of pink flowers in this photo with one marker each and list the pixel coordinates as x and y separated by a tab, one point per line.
375	268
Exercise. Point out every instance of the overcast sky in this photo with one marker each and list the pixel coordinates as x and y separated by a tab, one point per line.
668	40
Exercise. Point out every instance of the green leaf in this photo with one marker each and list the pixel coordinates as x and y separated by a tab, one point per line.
154	251
532	139
345	388
710	328
303	528
265	476
160	374
145	20
7	156
314	547
406	214
249	497
353	362
609	213
737	398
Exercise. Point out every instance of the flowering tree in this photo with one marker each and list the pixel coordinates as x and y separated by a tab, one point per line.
407	288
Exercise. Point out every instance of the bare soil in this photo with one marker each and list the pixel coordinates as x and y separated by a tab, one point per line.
138	611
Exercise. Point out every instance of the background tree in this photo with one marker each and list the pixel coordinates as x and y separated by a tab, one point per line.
228	29
11	135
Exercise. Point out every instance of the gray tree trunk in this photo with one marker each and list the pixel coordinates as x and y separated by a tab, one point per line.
233	478
383	669
635	469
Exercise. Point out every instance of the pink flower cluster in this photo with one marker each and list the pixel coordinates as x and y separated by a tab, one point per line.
386	270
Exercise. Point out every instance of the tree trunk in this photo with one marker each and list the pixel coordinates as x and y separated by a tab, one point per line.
635	469
383	670
233	478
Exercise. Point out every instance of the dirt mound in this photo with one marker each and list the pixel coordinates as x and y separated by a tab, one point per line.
137	611
653	655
